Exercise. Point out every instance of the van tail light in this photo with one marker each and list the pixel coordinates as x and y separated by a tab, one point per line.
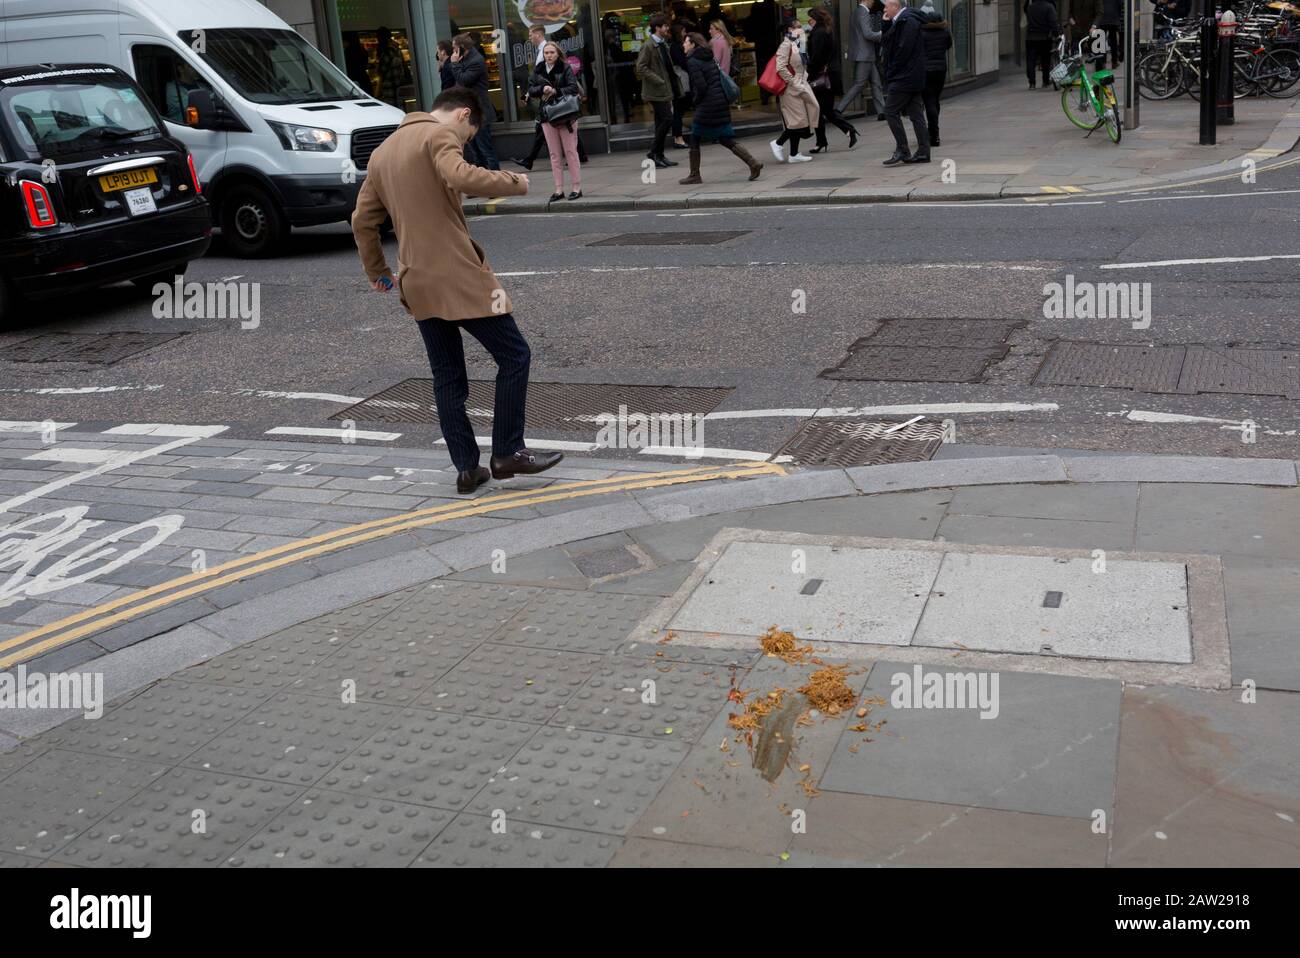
40	211
194	175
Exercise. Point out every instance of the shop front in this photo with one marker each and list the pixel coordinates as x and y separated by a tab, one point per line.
389	48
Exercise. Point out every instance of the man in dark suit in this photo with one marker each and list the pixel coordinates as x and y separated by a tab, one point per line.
904	81
864	51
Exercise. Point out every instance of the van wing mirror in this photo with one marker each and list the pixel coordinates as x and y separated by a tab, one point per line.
205	110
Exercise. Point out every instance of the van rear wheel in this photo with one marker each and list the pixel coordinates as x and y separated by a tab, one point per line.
251	222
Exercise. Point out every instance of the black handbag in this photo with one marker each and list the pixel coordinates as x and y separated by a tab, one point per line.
560	109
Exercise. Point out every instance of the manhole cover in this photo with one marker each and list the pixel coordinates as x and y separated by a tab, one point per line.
822	184
1173	369
574	405
837	442
671	239
914	364
953	333
1144	368
102	349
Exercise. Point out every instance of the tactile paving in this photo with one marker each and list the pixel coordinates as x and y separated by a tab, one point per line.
270	663
292	738
589	622
389	666
469	842
186	818
676	651
511	682
431	759
589	780
453	609
164	723
680	705
329	829
48	802
16	758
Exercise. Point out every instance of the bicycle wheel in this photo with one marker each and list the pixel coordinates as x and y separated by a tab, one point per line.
1114	122
1244	82
1159	77
1077	106
1282	71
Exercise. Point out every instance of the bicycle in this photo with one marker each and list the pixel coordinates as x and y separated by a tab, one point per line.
1088	98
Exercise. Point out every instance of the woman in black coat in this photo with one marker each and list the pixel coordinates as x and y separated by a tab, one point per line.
712	120
824	75
550	81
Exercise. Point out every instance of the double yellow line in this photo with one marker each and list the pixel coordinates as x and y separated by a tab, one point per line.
20	648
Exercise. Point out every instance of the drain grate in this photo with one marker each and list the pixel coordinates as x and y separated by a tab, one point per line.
812	183
697	238
102	349
574	405
842	442
926	350
1173	369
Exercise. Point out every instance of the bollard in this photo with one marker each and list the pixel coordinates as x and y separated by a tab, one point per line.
1225	112
1209	71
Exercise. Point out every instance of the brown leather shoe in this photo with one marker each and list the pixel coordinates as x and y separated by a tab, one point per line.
524	463
467	482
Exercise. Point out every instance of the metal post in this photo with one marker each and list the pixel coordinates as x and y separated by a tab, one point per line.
1225	113
1209	72
1130	65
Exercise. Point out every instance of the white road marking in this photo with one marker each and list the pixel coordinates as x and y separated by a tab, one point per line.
903	425
1209	261
12	426
850	412
61	453
164	429
78	390
333	433
1209	196
1146	415
323	397
122	459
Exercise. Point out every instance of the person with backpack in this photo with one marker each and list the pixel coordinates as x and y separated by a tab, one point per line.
711	97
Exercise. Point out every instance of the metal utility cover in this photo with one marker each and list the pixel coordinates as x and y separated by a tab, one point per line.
102	349
1135	611
678	238
836	442
1241	371
955	333
1144	368
828	183
867	595
574	405
871	363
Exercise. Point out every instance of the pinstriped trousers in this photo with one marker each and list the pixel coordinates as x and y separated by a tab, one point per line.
500	336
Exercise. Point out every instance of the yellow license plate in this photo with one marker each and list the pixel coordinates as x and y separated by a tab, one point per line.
126	180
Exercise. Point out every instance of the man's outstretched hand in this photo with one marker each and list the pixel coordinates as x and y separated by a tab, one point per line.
383	284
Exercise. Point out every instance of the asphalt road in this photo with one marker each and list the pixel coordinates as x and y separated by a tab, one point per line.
723	314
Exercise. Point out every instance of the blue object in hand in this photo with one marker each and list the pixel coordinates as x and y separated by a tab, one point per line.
385	282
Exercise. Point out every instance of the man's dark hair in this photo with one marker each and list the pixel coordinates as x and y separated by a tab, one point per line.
463	42
445	46
657	20
460	98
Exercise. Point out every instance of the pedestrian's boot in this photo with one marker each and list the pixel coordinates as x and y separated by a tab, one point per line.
523	463
695	168
471	479
900	156
755	167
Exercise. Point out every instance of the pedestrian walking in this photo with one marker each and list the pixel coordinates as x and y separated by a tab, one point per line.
393	71
712	118
936	38
683	103
1041	31
446	78
720	44
799	110
470	70
659	86
824	68
904	81
864	51
416	177
551	82
1111	20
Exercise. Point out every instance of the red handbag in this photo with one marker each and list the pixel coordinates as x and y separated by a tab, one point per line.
771	81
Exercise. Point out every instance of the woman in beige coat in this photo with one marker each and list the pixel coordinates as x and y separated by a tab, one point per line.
799	111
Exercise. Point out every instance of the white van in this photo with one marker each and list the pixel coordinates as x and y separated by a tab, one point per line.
280	136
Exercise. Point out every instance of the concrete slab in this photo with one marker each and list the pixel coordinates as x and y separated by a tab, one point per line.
1205	779
1049	751
1220	519
861	595
1263	598
1262	472
1136	611
957	472
1109	502
1049	533
907	515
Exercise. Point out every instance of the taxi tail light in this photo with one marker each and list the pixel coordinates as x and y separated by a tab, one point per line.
40	211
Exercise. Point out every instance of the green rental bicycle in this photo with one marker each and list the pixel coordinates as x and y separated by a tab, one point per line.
1087	97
